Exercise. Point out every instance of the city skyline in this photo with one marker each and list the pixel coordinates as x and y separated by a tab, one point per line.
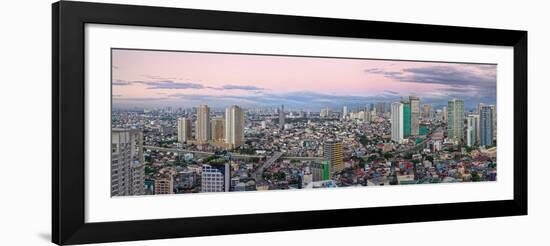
187	79
185	122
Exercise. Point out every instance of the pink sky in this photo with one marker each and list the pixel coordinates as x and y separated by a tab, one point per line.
136	72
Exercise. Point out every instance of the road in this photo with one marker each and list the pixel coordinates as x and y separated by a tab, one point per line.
233	155
258	173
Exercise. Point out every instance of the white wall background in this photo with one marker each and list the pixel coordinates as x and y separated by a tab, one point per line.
25	60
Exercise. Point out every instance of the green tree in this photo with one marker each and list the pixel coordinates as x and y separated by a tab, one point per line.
476	177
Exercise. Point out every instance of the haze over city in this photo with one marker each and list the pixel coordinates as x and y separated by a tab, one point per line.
142	78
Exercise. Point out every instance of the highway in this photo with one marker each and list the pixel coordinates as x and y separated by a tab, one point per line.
233	155
258	173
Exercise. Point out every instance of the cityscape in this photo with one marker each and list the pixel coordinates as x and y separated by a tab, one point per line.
191	122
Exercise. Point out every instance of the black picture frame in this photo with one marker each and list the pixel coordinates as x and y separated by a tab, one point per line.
68	122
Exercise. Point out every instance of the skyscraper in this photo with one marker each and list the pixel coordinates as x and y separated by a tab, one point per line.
415	113
406	119
426	111
486	126
325	113
381	107
282	117
202	132
334	154
184	129
494	118
472	129
216	178
234	126
344	112
455	119
397	122
127	163
217	129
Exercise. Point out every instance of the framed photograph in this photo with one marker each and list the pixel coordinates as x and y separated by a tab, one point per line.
175	122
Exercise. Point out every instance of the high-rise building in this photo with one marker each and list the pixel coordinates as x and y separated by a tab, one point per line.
486	126
325	113
282	117
455	119
202	132
415	114
444	114
234	126
216	178
127	162
397	116
426	111
494	118
344	112
184	129
217	129
334	154
381	107
406	119
472	122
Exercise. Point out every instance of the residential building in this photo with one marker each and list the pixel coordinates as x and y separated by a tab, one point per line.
455	119
426	111
203	132
344	112
415	114
397	117
334	154
217	128
234	126
164	184
486	126
127	162
472	127
184	129
216	178
282	117
320	171
406	119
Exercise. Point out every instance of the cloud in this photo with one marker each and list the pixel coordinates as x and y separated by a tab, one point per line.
158	82
447	75
169	84
161	84
139	99
119	82
241	87
472	82
391	92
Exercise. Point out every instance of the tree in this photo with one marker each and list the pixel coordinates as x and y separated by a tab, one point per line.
279	175
476	177
371	158
267	175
